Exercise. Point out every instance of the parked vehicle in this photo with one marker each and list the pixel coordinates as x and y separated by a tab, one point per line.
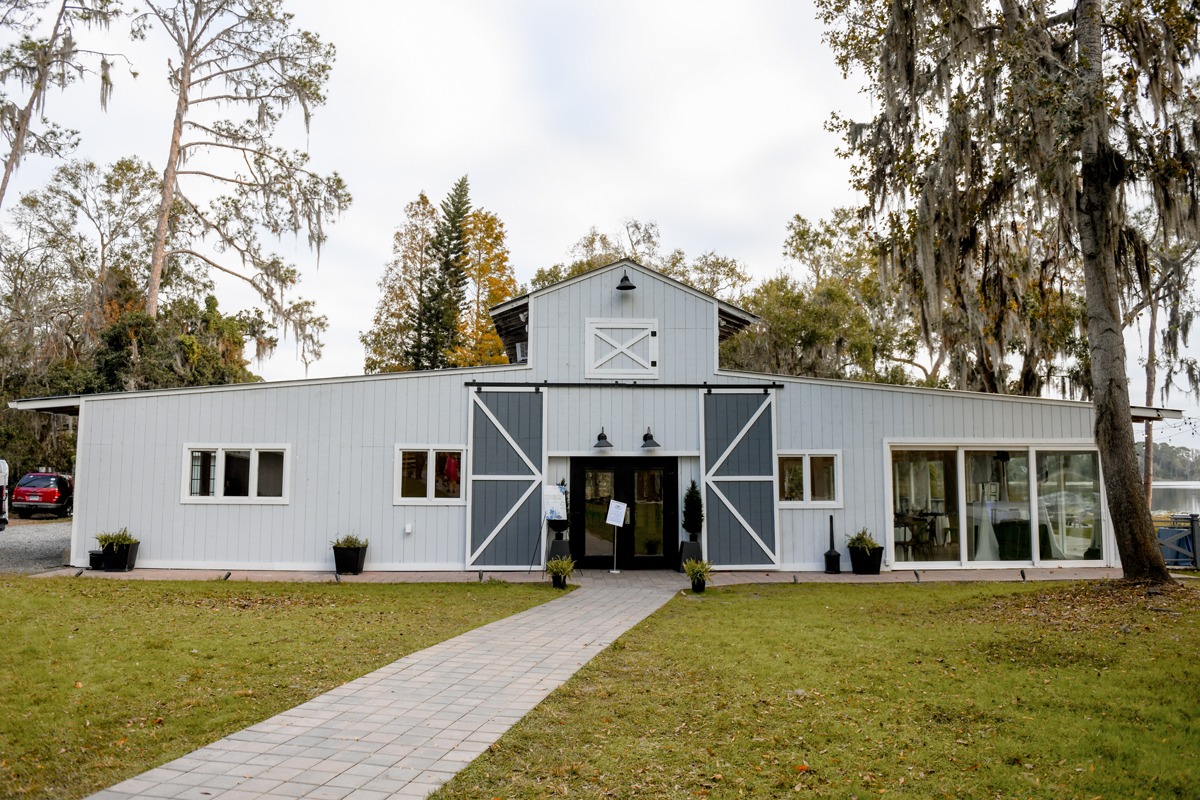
44	493
3	494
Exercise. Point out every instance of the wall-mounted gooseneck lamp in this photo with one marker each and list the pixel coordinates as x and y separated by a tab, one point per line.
602	440
648	440
625	285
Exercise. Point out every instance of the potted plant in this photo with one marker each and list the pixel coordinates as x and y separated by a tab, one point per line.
697	572
119	550
866	554
349	554
560	568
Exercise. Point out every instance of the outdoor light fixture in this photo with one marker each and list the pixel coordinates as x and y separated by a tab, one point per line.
625	285
648	440
602	440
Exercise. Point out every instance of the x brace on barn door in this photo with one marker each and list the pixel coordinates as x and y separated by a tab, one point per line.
739	478
506	452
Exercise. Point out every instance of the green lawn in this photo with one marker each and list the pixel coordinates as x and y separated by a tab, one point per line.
921	691
103	679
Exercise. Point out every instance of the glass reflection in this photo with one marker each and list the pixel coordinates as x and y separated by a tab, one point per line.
1068	501
998	506
925	505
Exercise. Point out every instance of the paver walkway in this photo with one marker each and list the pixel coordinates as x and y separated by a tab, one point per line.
405	729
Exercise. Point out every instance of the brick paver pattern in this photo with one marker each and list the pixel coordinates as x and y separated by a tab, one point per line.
407	728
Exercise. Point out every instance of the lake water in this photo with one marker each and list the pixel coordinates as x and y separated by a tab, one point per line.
1176	497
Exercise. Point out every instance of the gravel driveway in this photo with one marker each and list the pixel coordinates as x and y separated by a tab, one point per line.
33	545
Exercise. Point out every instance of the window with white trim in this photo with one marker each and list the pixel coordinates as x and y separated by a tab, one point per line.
622	348
428	475
256	474
812	480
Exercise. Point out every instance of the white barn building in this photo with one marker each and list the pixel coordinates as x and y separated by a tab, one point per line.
444	470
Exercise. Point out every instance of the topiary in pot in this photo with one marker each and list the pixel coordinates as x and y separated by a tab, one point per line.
693	511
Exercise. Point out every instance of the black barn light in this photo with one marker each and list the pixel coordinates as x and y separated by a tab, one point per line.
602	440
648	440
625	285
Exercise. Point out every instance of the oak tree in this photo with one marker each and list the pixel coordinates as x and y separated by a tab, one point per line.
1014	132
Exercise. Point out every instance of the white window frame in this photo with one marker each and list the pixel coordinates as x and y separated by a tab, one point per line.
839	491
647	328
185	495
430	451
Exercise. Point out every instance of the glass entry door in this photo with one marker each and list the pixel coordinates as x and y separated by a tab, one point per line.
648	537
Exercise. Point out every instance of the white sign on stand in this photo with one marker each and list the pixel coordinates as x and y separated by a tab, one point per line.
616	513
616	518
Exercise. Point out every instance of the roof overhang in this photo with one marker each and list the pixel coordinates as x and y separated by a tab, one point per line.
68	404
1152	414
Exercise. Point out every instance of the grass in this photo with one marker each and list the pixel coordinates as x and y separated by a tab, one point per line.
962	691
102	680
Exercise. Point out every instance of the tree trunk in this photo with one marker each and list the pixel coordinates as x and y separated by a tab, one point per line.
35	95
1151	380
1102	171
158	254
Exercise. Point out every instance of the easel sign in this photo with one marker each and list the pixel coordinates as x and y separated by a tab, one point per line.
554	502
616	518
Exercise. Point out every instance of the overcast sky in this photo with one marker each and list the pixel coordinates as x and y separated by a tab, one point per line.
705	117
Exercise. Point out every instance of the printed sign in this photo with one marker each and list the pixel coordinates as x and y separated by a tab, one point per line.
616	513
554	502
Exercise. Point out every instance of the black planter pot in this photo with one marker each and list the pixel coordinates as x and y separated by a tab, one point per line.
698	586
866	561
559	526
559	581
689	551
349	560
119	557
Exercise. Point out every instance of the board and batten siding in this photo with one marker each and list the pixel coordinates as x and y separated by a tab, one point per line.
558	323
341	438
861	421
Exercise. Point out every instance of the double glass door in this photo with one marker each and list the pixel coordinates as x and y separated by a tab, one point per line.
648	537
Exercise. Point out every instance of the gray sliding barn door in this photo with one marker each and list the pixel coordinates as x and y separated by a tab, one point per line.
739	479
506	471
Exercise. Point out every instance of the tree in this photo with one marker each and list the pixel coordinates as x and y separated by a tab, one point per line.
37	64
638	241
489	282
838	321
389	342
1162	286
186	345
435	322
1005	117
241	54
75	261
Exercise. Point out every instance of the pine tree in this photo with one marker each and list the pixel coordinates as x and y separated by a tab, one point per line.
440	301
489	282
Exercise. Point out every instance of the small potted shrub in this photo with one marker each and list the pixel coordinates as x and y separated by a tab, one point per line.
560	568
349	554
697	572
118	550
866	554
